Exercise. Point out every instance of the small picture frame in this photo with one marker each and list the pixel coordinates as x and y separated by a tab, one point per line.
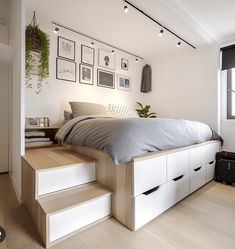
86	74
124	64
87	55
106	59
105	79
32	122
66	70
123	82
66	48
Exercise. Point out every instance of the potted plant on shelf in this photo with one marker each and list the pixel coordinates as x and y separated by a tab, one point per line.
37	54
144	112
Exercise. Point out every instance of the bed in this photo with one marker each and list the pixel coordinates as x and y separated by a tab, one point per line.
149	164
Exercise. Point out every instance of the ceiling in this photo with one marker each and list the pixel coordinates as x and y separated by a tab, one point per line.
194	20
216	17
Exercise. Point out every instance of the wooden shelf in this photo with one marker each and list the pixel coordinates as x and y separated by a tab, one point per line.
34	127
6	52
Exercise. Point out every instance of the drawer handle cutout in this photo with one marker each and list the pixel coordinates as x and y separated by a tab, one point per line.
197	169
211	162
151	190
178	178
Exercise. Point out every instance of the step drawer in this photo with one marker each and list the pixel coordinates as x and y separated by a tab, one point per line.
148	173
197	178
197	157
147	207
210	171
49	181
211	150
177	164
68	221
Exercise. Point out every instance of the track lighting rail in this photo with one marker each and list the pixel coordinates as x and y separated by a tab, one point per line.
57	26
158	23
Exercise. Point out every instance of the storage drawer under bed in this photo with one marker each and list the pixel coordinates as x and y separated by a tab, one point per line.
152	203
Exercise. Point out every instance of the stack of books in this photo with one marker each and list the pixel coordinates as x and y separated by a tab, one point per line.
36	138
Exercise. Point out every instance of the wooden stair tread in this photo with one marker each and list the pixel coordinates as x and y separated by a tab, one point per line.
72	197
52	157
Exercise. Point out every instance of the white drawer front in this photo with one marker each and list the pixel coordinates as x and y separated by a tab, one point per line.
147	207
211	150
197	178
210	171
70	220
148	174
197	157
62	178
177	164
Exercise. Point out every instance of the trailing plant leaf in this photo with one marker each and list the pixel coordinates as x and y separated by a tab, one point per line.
36	41
144	111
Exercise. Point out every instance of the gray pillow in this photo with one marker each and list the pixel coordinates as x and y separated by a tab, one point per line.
67	116
85	108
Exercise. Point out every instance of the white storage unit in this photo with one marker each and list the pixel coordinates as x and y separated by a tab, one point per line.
183	171
55	179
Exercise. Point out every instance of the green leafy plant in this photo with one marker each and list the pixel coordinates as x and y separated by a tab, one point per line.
36	41
144	111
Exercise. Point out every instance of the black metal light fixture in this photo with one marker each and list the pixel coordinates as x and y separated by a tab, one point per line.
56	30
161	33
159	24
126	9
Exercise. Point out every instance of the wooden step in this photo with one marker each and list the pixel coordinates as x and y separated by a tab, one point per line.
56	168
63	213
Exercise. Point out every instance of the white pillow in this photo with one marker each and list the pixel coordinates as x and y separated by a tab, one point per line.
122	111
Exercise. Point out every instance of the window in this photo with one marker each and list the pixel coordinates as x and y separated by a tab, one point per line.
231	94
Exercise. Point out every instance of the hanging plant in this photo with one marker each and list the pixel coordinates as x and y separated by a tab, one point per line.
37	43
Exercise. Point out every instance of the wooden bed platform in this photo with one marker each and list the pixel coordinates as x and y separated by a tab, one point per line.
151	183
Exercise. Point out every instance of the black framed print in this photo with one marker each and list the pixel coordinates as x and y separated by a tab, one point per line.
105	79
106	59
66	48
66	70
123	82
88	55
86	74
124	64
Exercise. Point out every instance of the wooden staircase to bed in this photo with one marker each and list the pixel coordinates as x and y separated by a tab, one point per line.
60	192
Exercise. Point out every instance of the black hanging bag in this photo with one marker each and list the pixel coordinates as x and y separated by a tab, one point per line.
225	167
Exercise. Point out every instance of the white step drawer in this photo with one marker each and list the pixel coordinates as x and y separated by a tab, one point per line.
197	157
148	174
55	179
147	207
177	164
70	220
197	178
211	150
210	171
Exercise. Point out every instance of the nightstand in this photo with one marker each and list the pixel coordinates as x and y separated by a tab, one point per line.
50	132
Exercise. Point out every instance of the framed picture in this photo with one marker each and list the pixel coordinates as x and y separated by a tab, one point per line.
65	70
85	74
88	55
66	48
105	79
123	82
31	121
124	64
106	59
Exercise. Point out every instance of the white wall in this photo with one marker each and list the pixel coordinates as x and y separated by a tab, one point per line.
55	96
16	40
185	85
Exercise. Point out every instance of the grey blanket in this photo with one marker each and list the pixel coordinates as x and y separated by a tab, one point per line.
122	138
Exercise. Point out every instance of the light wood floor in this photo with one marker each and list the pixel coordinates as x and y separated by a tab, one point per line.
205	220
